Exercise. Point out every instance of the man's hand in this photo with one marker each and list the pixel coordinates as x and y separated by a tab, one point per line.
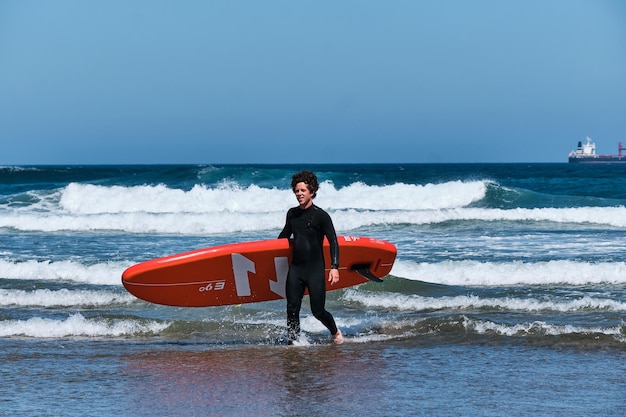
333	276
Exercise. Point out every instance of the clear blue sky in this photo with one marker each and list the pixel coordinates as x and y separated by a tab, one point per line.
122	81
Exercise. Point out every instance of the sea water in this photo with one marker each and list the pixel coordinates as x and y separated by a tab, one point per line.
508	296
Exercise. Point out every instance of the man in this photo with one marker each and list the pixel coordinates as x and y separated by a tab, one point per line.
309	224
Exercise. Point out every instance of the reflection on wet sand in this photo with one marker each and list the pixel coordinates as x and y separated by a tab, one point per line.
255	381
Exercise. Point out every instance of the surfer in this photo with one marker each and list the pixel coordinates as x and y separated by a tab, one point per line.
309	224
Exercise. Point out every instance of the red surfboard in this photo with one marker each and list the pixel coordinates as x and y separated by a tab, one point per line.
248	272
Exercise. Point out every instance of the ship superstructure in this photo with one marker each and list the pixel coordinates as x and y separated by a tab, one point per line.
586	154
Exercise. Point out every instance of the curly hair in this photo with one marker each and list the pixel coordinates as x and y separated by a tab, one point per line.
307	177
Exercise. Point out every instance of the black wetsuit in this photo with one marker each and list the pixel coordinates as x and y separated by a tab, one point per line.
309	226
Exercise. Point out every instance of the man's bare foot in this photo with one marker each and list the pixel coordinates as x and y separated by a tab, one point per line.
338	337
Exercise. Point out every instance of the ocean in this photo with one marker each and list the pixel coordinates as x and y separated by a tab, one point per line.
508	295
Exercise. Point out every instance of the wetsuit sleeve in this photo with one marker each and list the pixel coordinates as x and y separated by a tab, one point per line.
286	232
329	231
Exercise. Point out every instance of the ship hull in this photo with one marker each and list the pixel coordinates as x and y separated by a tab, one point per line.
599	160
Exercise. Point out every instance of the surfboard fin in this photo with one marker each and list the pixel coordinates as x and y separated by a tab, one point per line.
364	271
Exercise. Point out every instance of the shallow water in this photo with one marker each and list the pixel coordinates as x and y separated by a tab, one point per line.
410	377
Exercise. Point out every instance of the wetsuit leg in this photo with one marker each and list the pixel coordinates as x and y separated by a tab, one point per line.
294	293
317	294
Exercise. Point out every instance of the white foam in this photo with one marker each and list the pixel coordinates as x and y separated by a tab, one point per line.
63	298
374	337
226	208
401	196
536	328
611	216
230	208
77	325
108	273
80	199
344	220
94	199
171	223
408	302
17	168
475	273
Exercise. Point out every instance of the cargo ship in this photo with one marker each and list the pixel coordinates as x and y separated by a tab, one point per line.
586	154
